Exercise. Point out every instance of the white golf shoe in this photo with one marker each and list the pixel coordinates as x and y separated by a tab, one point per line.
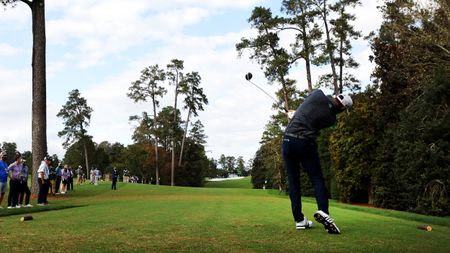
327	222
304	224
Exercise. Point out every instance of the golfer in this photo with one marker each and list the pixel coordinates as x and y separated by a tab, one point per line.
299	147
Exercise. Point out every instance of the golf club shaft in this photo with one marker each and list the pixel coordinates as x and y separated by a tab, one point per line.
276	102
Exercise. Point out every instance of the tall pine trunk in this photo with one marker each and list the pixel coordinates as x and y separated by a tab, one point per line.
172	171
86	160
156	143
329	48
341	65
39	103
307	59
184	138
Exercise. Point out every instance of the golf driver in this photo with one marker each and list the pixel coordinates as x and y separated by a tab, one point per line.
249	76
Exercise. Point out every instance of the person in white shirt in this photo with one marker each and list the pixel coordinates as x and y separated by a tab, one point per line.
43	173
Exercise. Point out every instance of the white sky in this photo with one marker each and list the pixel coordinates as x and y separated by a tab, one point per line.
100	47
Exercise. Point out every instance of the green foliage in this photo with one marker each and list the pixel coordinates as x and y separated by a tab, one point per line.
267	167
411	52
194	167
74	155
420	155
323	147
76	116
10	148
352	148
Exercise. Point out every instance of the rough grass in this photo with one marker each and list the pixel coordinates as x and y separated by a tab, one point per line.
148	218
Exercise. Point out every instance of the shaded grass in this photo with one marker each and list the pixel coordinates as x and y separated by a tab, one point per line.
37	209
148	218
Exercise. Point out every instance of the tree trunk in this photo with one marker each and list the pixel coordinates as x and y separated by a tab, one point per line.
281	77
329	48
184	138
341	65
307	46
86	159
156	143
39	103
172	170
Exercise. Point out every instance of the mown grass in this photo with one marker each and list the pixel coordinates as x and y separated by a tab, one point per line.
233	183
148	218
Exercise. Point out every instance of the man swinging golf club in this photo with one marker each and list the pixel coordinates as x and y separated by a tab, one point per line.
299	147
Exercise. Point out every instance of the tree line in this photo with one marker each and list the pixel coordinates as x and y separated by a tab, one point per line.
166	148
391	148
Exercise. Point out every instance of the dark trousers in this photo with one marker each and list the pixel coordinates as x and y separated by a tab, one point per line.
14	190
24	190
114	182
302	151
43	191
70	184
58	183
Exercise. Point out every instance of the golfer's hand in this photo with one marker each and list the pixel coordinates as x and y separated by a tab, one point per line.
290	114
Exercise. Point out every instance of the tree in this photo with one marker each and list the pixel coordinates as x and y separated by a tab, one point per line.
74	154
195	165
10	148
301	15
343	31
266	49
197	133
39	103
147	87
412	66
175	77
193	102
352	145
76	115
329	47
240	168
138	158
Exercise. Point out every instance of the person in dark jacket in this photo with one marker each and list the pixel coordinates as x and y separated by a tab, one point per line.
317	112
24	189
115	175
58	178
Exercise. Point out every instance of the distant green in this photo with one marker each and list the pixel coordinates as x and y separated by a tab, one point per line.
233	183
149	218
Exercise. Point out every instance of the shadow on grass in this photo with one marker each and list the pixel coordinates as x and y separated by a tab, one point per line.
38	209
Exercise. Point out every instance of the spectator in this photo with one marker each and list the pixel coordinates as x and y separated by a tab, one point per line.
115	175
43	173
92	176
3	176
52	181
14	170
79	172
58	178
65	179
70	180
24	190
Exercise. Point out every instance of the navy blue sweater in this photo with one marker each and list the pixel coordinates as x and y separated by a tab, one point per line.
315	113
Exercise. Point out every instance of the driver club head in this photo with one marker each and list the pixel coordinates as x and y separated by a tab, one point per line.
248	76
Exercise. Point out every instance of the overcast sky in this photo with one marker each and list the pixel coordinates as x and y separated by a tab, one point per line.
100	47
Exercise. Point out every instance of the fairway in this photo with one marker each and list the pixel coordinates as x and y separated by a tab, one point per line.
149	218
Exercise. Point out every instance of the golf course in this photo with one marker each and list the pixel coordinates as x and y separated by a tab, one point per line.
226	216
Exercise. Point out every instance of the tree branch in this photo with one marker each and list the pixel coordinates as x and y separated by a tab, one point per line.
27	2
443	48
